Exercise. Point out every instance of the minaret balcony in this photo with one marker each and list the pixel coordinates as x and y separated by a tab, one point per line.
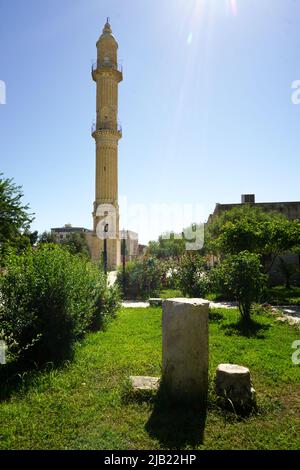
117	129
100	67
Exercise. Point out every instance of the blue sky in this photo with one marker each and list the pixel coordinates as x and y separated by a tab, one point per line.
205	104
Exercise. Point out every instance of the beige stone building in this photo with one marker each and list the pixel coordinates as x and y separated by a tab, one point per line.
291	210
61	233
107	74
132	244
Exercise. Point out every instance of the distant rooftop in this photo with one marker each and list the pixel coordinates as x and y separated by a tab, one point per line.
291	209
68	228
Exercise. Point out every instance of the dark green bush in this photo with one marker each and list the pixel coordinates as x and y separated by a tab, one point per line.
106	304
240	278
142	279
288	271
49	299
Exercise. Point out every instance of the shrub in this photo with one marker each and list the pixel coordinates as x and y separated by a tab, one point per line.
169	245
76	244
49	299
240	278
106	304
168	271
142	279
193	278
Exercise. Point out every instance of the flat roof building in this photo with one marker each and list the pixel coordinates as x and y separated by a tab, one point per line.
290	209
61	233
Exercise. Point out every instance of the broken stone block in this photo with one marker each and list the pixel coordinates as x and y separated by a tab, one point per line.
234	385
142	382
143	388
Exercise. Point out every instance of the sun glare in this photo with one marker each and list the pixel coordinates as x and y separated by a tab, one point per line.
196	10
199	22
234	8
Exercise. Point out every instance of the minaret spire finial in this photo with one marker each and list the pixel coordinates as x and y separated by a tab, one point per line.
107	28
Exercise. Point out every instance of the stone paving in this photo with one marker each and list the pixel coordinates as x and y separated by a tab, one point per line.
223	304
134	304
290	312
293	310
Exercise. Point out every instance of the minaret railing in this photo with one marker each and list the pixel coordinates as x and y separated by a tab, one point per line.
107	65
105	127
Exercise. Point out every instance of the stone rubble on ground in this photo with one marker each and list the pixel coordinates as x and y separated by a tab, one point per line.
142	382
290	314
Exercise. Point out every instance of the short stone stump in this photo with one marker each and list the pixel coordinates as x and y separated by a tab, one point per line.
155	302
233	385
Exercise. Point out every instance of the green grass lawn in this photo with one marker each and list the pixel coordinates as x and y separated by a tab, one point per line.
85	406
170	293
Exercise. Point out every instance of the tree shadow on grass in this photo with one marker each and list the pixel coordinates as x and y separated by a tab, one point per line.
215	316
176	425
249	329
20	376
15	377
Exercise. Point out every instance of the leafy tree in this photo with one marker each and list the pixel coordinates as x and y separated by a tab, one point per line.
76	243
142	278
20	243
288	270
250	228
240	278
15	218
172	245
193	278
169	245
33	237
46	237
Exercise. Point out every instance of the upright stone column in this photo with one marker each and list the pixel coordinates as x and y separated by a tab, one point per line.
185	349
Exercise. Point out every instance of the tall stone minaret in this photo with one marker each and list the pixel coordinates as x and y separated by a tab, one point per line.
106	132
